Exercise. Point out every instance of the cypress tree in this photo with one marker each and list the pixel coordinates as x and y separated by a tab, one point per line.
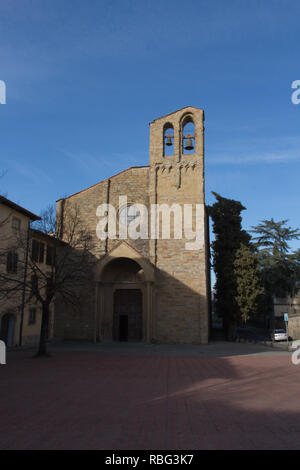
229	235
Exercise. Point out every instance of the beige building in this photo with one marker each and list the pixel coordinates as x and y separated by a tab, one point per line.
147	288
291	306
20	318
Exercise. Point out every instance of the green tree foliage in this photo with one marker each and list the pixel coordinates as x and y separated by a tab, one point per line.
229	236
249	289
274	237
280	268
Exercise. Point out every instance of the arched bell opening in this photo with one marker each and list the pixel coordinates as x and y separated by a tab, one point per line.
168	140
188	136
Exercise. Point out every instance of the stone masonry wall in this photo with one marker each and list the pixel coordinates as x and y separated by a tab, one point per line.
132	183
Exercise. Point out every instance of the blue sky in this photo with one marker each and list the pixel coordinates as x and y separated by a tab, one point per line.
84	79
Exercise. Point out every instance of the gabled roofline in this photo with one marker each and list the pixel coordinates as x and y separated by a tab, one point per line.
174	112
18	208
39	234
102	181
124	242
131	253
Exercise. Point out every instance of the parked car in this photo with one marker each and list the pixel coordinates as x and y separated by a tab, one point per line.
279	335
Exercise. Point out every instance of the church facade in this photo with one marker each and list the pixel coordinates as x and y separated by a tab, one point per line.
148	288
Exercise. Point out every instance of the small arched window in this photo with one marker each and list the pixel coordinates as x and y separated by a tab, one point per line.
168	140
188	136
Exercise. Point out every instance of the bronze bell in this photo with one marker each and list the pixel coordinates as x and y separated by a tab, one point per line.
169	140
189	144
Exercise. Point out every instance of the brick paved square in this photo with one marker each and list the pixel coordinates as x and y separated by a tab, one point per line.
159	398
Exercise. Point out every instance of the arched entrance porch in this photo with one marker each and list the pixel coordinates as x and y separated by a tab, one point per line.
124	296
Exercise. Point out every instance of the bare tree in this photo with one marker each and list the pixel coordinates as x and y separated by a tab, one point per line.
68	270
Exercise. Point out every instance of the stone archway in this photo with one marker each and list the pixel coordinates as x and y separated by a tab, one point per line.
124	292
